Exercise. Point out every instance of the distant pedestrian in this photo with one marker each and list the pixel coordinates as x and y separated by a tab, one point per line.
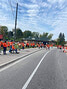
19	45
33	45
39	46
22	45
27	45
14	49
4	47
10	45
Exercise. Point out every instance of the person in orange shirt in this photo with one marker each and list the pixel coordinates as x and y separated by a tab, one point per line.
48	46
60	47
14	49
22	45
42	45
39	46
19	45
8	44
51	46
11	43
4	47
27	45
33	45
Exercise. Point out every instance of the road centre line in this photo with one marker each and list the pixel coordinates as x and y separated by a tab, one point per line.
31	76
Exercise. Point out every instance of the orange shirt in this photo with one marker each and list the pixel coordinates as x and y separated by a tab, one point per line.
66	48
0	43
13	47
33	44
42	44
8	44
27	44
22	44
38	45
47	45
11	43
4	44
60	46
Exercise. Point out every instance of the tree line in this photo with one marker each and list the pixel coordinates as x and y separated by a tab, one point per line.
61	39
19	34
28	34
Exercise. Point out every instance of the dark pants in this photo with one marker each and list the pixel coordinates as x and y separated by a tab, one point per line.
11	50
4	50
22	47
27	46
15	50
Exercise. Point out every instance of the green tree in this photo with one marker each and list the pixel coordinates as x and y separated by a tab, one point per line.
61	39
46	36
19	33
27	34
35	34
50	36
4	31
10	34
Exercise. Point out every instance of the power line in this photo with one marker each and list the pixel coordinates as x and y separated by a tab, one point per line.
11	7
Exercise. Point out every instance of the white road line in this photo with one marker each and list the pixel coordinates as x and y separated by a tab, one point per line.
31	76
6	67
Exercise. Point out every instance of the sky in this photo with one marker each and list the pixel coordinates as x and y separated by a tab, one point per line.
35	15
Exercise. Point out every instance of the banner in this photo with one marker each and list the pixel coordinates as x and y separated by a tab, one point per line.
1	36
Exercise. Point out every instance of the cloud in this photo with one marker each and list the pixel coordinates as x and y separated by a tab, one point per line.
60	4
45	4
36	15
60	24
33	1
31	6
32	12
55	1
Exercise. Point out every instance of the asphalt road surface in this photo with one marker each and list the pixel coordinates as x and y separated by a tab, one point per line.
45	69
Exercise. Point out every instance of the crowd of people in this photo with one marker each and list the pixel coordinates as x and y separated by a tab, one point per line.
12	46
63	48
6	45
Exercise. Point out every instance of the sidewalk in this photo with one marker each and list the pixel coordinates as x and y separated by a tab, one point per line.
10	58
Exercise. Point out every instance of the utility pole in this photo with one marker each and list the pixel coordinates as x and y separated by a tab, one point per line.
16	21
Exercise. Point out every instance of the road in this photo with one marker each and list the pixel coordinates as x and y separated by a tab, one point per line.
45	69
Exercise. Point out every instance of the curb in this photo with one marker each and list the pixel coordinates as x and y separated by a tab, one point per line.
10	62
